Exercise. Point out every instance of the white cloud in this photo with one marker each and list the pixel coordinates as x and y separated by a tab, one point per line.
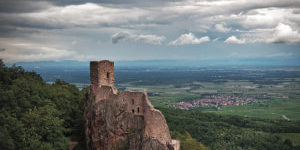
145	38
221	28
88	14
234	39
24	51
189	38
285	34
267	17
282	33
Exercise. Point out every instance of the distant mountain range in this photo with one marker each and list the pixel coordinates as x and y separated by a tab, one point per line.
77	72
84	65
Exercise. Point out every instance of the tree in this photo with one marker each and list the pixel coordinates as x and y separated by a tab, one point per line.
37	115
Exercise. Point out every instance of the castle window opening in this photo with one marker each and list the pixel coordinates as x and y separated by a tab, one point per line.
138	110
132	101
132	110
107	75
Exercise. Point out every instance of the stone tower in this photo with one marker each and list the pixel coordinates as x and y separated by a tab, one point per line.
102	73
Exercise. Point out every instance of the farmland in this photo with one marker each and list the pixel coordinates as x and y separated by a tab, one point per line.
259	93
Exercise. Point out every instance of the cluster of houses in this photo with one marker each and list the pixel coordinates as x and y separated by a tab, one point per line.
217	101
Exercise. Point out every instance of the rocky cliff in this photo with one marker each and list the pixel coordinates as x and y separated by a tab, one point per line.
124	120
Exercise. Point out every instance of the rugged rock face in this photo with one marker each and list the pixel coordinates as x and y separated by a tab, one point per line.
124	120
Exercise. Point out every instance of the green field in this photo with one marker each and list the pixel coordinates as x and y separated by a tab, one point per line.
282	100
271	109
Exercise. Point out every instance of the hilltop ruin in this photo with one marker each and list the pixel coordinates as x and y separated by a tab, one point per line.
122	119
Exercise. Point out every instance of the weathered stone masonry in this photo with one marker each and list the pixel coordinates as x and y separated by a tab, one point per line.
122	119
102	73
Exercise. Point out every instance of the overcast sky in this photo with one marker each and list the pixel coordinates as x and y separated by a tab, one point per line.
148	29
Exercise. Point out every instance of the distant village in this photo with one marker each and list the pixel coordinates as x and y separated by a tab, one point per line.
216	101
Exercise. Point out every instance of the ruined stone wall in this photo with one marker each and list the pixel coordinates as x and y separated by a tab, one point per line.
110	123
134	101
155	123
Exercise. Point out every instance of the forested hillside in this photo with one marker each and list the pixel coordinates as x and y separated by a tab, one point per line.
231	132
35	115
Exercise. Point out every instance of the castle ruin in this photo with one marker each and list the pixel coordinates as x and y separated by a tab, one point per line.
122	119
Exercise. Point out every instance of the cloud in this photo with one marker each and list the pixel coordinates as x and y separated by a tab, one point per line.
17	6
2	49
76	25
221	28
282	33
145	38
267	17
24	51
119	36
87	15
216	39
285	34
199	16
183	13
234	39
189	38
74	42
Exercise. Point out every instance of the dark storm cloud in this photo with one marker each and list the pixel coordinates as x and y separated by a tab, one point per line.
150	39
119	36
21	6
114	2
148	12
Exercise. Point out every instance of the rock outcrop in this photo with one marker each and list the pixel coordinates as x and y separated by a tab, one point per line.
122	119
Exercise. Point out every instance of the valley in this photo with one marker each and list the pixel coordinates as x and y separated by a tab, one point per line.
258	101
